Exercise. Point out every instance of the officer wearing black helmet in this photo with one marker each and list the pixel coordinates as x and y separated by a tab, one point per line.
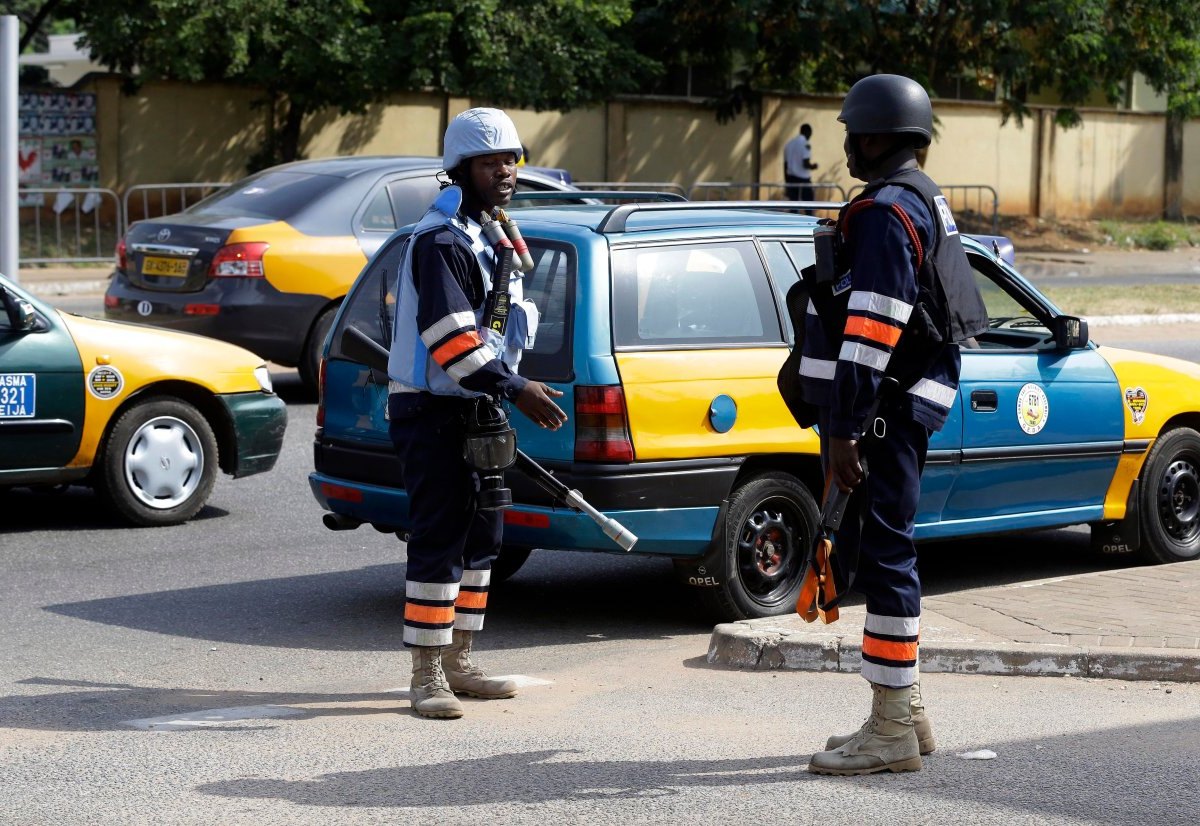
886	324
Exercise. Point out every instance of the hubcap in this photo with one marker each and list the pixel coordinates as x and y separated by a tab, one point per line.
768	556
164	462
1179	500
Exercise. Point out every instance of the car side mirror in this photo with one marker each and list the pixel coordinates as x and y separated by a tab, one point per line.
21	314
1070	332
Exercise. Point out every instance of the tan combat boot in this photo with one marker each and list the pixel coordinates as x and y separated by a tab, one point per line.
467	678
920	725
886	742
429	692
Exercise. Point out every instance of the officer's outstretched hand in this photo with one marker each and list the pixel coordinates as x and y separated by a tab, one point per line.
843	463
535	402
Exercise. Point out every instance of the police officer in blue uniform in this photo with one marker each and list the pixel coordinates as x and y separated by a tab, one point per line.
900	297
450	353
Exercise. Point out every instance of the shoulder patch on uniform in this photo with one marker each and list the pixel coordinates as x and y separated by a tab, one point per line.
887	195
945	215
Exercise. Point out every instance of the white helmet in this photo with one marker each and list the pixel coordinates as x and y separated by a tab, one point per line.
476	132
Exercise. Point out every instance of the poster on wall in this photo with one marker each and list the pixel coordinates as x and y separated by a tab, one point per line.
57	144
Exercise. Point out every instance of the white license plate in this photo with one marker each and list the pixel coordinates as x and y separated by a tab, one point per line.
18	395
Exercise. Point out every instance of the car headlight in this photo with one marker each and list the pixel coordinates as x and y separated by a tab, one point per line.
264	378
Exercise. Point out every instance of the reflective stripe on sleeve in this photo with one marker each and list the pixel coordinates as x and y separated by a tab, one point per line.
817	368
868	302
935	392
469	364
863	354
445	326
877	331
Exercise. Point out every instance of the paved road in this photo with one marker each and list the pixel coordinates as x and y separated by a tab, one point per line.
247	668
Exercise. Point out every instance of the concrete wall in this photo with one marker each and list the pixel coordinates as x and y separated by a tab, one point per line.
1113	165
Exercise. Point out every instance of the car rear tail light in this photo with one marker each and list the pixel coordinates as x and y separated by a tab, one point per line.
120	254
239	261
321	395
601	425
111	301
202	309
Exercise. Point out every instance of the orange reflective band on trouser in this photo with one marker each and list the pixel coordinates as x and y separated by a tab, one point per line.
471	599
431	614
869	328
889	649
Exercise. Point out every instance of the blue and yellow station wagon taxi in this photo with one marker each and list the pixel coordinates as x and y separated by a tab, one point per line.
145	416
665	327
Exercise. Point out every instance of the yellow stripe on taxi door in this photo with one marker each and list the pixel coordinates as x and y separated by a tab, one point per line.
668	394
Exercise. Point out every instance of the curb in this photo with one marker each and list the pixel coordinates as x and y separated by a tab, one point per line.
734	645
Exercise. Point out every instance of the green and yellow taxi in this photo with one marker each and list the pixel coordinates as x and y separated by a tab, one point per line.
147	417
665	327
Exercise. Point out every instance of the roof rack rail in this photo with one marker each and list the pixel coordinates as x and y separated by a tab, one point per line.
616	219
597	194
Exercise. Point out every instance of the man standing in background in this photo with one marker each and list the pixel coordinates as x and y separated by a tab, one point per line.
798	166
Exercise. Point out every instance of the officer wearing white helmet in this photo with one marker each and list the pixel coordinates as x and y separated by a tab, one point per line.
886	326
461	323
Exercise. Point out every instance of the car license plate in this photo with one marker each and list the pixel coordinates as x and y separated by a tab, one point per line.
172	267
18	395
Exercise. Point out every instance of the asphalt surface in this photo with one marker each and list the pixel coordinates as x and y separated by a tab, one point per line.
1135	624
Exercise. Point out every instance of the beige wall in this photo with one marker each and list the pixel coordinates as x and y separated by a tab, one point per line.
178	132
1113	165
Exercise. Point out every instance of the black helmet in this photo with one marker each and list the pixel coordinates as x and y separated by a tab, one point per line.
888	105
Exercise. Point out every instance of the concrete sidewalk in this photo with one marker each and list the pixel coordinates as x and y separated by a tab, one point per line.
48	282
1130	624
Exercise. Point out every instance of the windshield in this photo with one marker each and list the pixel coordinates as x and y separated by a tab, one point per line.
275	195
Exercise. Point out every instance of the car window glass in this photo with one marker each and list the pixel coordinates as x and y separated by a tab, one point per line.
551	287
411	197
371	306
783	276
1012	320
378	216
275	195
693	294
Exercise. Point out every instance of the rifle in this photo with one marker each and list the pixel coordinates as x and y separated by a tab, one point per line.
819	595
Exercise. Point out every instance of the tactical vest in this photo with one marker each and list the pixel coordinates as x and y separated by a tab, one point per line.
410	367
949	308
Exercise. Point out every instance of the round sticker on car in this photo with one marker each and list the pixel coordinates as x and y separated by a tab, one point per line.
105	381
1033	408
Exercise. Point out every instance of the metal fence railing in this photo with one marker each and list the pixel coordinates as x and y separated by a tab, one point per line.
67	226
154	200
971	204
760	191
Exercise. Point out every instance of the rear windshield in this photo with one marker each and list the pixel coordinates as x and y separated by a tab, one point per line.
276	195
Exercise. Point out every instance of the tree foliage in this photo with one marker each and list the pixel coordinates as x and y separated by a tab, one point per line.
1071	51
312	54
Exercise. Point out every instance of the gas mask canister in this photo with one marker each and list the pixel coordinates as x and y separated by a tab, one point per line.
490	447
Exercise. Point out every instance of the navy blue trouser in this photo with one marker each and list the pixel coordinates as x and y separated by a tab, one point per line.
879	525
452	543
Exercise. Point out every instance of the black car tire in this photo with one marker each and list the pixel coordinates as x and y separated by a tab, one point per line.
314	347
511	558
175	483
770	524
1170	498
